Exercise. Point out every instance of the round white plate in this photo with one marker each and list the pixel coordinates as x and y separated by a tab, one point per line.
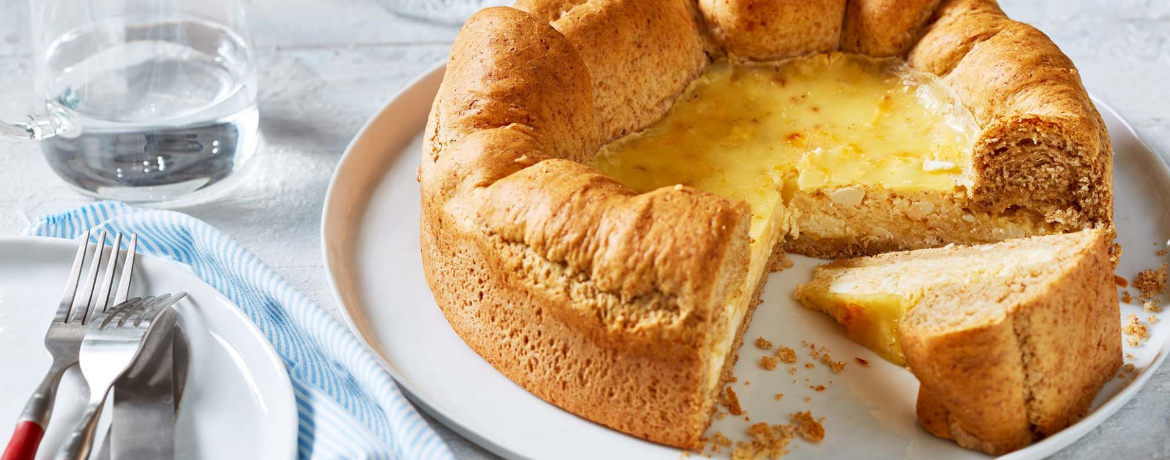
370	232
238	401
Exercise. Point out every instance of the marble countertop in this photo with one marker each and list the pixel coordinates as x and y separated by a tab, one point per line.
325	67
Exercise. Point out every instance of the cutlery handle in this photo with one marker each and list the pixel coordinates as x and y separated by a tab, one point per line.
24	442
80	441
35	416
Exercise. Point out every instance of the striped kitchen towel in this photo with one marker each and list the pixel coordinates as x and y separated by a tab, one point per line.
348	405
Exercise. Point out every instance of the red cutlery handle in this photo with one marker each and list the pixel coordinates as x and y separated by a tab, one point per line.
24	442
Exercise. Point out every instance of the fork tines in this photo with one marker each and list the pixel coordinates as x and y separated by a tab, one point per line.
81	305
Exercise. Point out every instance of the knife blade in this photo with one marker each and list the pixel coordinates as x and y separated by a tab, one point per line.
147	400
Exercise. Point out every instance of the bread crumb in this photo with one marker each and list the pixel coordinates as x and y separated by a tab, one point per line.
768	362
1115	255
1160	252
779	396
732	379
808	427
731	401
1128	371
1136	331
767	442
1151	307
1120	282
717	442
791	370
809	365
1125	297
763	343
1128	356
1153	319
747	382
719	415
1151	282
835	366
862	362
771	441
807	399
786	354
818	388
822	354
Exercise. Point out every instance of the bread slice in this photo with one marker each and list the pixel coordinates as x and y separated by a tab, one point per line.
1011	341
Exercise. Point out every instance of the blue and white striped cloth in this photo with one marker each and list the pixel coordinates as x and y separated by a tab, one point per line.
349	406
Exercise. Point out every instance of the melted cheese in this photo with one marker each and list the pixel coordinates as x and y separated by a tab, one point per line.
870	301
824	123
870	320
758	131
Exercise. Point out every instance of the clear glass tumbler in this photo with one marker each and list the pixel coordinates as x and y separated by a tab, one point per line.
145	100
449	12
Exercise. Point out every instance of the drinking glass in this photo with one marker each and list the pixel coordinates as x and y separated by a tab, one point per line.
450	12
144	100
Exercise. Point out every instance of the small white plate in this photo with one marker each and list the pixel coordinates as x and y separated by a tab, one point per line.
238	401
371	241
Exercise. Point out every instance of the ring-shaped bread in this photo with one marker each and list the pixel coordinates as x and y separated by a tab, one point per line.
609	303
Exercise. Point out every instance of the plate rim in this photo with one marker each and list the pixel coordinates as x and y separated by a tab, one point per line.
283	391
332	267
334	264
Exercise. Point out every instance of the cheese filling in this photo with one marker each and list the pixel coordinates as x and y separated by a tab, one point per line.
825	123
870	301
820	123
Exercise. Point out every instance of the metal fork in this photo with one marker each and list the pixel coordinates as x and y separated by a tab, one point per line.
63	340
110	346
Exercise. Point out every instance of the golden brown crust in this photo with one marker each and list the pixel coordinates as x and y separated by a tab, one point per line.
595	298
885	28
493	82
885	221
607	303
774	29
641	54
997	385
1043	145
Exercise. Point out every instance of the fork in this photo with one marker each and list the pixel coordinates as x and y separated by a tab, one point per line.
63	339
110	346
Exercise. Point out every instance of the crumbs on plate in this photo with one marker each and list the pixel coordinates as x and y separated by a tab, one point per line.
1151	282
731	401
1136	332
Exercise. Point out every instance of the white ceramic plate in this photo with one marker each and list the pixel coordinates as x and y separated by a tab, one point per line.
371	242
238	401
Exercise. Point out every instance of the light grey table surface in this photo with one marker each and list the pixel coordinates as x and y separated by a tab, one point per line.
326	66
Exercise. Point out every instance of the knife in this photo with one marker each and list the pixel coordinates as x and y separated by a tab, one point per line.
146	401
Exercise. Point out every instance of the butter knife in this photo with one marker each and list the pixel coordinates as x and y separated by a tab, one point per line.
146	401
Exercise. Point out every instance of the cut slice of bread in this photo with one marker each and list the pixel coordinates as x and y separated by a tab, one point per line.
1011	341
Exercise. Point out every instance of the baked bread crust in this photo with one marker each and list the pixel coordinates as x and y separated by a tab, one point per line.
885	28
769	30
591	296
999	385
606	302
1010	341
1043	145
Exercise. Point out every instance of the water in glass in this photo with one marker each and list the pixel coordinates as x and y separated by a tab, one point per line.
166	108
